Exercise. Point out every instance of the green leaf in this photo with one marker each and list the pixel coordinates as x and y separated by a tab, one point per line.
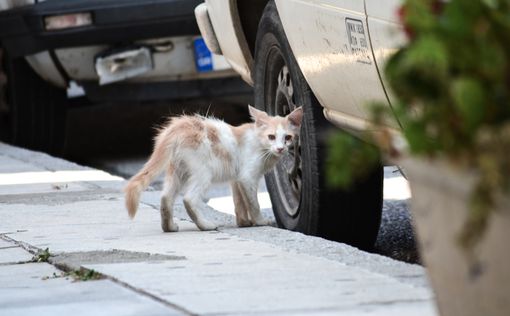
419	15
416	137
469	99
492	61
42	255
349	160
429	56
492	4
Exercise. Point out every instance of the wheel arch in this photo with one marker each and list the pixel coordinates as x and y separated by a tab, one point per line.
250	13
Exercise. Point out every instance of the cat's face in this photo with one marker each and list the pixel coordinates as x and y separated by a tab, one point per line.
277	136
277	133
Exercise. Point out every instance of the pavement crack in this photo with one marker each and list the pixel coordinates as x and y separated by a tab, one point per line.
394	302
31	249
151	296
8	247
59	197
80	273
15	262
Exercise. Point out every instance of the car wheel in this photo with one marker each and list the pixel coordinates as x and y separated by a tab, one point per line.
297	185
34	110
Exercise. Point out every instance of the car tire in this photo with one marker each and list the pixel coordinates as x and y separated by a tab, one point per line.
36	116
297	187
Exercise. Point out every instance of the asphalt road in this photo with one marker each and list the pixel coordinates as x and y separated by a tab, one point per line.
118	138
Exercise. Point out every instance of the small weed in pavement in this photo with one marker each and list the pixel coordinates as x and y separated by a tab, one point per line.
76	275
85	275
42	256
54	276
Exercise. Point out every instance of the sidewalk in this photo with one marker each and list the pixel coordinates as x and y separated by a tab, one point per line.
78	214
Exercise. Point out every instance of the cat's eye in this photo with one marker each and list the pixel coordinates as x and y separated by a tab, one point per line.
271	137
288	138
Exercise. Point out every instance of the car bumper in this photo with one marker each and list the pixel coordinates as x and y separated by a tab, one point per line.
183	89
206	28
23	32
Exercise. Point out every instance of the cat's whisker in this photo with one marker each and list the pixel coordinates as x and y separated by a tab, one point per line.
266	155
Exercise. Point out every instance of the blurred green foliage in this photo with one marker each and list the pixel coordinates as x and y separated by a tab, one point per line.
347	150
452	86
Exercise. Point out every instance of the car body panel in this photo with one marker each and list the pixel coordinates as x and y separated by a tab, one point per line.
224	17
176	62
331	44
386	32
61	56
44	66
386	10
341	47
58	54
9	4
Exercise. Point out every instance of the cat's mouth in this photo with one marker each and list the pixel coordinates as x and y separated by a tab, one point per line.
278	153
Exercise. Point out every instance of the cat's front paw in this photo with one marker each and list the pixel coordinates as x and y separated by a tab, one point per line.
261	222
169	227
243	222
206	225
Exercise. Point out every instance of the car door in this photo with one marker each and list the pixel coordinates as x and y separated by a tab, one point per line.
331	42
386	33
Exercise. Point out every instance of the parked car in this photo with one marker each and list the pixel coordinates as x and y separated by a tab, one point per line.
325	55
117	50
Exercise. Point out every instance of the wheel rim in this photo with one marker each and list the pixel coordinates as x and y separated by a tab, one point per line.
287	173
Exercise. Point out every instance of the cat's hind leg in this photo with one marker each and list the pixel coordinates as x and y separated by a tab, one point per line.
197	186
170	190
240	206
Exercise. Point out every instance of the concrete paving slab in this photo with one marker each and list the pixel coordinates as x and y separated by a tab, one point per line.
232	271
24	171
38	159
58	197
40	188
26	276
296	242
31	289
221	274
18	177
11	165
220	214
14	255
6	244
402	309
268	284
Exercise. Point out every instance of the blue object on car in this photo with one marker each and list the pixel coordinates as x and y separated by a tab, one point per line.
203	57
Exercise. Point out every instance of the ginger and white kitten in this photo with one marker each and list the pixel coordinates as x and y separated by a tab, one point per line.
196	152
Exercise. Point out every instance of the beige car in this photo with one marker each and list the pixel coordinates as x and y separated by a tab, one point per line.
325	55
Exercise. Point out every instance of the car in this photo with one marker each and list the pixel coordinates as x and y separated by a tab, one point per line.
327	56
56	54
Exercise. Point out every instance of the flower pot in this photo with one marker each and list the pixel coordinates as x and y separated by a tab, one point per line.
464	285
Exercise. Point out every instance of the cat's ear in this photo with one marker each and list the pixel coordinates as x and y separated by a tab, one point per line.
259	117
295	117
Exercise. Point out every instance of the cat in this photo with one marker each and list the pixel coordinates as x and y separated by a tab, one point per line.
196	152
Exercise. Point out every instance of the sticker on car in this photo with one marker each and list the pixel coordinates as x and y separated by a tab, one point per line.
358	40
203	57
206	61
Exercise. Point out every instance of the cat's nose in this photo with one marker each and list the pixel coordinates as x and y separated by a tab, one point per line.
279	150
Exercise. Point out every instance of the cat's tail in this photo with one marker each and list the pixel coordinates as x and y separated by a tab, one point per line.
140	181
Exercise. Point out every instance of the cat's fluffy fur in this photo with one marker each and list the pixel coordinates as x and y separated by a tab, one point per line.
197	151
